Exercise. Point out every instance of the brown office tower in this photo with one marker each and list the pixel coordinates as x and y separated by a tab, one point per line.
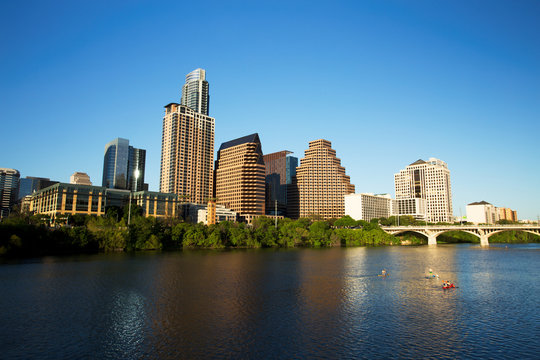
322	183
240	175
280	169
187	154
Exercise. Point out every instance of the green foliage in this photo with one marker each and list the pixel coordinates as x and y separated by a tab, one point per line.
24	235
514	237
345	222
371	237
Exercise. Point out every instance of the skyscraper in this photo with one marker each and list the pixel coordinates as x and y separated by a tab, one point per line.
30	184
429	180
195	92
123	166
9	190
240	171
187	154
80	178
280	169
322	182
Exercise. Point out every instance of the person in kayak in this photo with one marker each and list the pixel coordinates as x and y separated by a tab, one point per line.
383	272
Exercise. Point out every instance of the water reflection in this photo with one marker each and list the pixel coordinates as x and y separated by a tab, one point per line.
300	303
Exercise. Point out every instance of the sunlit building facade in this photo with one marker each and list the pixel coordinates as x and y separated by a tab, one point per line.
482	212
187	154
367	206
195	92
80	178
123	166
322	182
429	180
240	176
72	199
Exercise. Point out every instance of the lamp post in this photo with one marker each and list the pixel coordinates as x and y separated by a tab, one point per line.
136	173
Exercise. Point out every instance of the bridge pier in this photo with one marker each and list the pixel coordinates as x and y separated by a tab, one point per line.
432	239
484	240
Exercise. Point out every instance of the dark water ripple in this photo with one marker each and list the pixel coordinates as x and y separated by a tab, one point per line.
292	304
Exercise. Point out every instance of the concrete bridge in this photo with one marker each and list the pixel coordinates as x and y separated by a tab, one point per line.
481	231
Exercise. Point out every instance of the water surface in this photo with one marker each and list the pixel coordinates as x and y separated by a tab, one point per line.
300	303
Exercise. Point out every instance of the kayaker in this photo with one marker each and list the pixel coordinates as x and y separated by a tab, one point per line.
383	272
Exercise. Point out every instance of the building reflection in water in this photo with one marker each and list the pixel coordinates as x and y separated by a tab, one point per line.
210	301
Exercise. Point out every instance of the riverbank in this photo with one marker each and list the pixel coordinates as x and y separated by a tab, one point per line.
27	237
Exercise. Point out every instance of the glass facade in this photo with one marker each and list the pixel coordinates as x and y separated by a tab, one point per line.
9	190
30	184
195	92
123	166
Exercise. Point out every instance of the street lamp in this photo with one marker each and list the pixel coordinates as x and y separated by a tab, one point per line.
136	174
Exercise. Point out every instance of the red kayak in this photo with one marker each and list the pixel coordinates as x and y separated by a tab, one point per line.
449	286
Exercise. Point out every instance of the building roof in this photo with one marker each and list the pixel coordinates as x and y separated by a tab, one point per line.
253	138
418	162
480	203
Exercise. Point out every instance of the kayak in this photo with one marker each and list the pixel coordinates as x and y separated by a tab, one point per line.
449	286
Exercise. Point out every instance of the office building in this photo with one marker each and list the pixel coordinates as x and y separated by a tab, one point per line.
123	166
62	198
9	190
322	182
429	180
415	207
30	184
482	212
368	206
195	92
80	178
187	154
280	169
208	214
240	170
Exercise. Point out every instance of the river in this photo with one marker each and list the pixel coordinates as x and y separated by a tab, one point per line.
298	303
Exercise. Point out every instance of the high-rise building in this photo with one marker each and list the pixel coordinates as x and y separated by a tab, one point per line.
187	154
482	212
123	166
240	169
9	190
80	178
280	169
30	184
322	182
507	214
195	92
368	206
429	180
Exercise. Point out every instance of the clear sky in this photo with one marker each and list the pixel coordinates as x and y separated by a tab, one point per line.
388	82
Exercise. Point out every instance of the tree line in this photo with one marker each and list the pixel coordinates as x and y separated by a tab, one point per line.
33	235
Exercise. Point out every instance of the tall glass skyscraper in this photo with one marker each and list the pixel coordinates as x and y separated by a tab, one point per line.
280	169
9	190
195	92
123	166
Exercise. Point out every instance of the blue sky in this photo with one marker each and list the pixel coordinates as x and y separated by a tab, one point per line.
388	82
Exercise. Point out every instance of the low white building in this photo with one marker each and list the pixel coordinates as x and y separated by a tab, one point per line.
199	213
482	212
415	207
367	206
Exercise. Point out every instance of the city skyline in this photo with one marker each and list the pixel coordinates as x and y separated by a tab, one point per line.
460	87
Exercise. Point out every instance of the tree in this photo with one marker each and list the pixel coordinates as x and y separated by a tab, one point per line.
345	222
